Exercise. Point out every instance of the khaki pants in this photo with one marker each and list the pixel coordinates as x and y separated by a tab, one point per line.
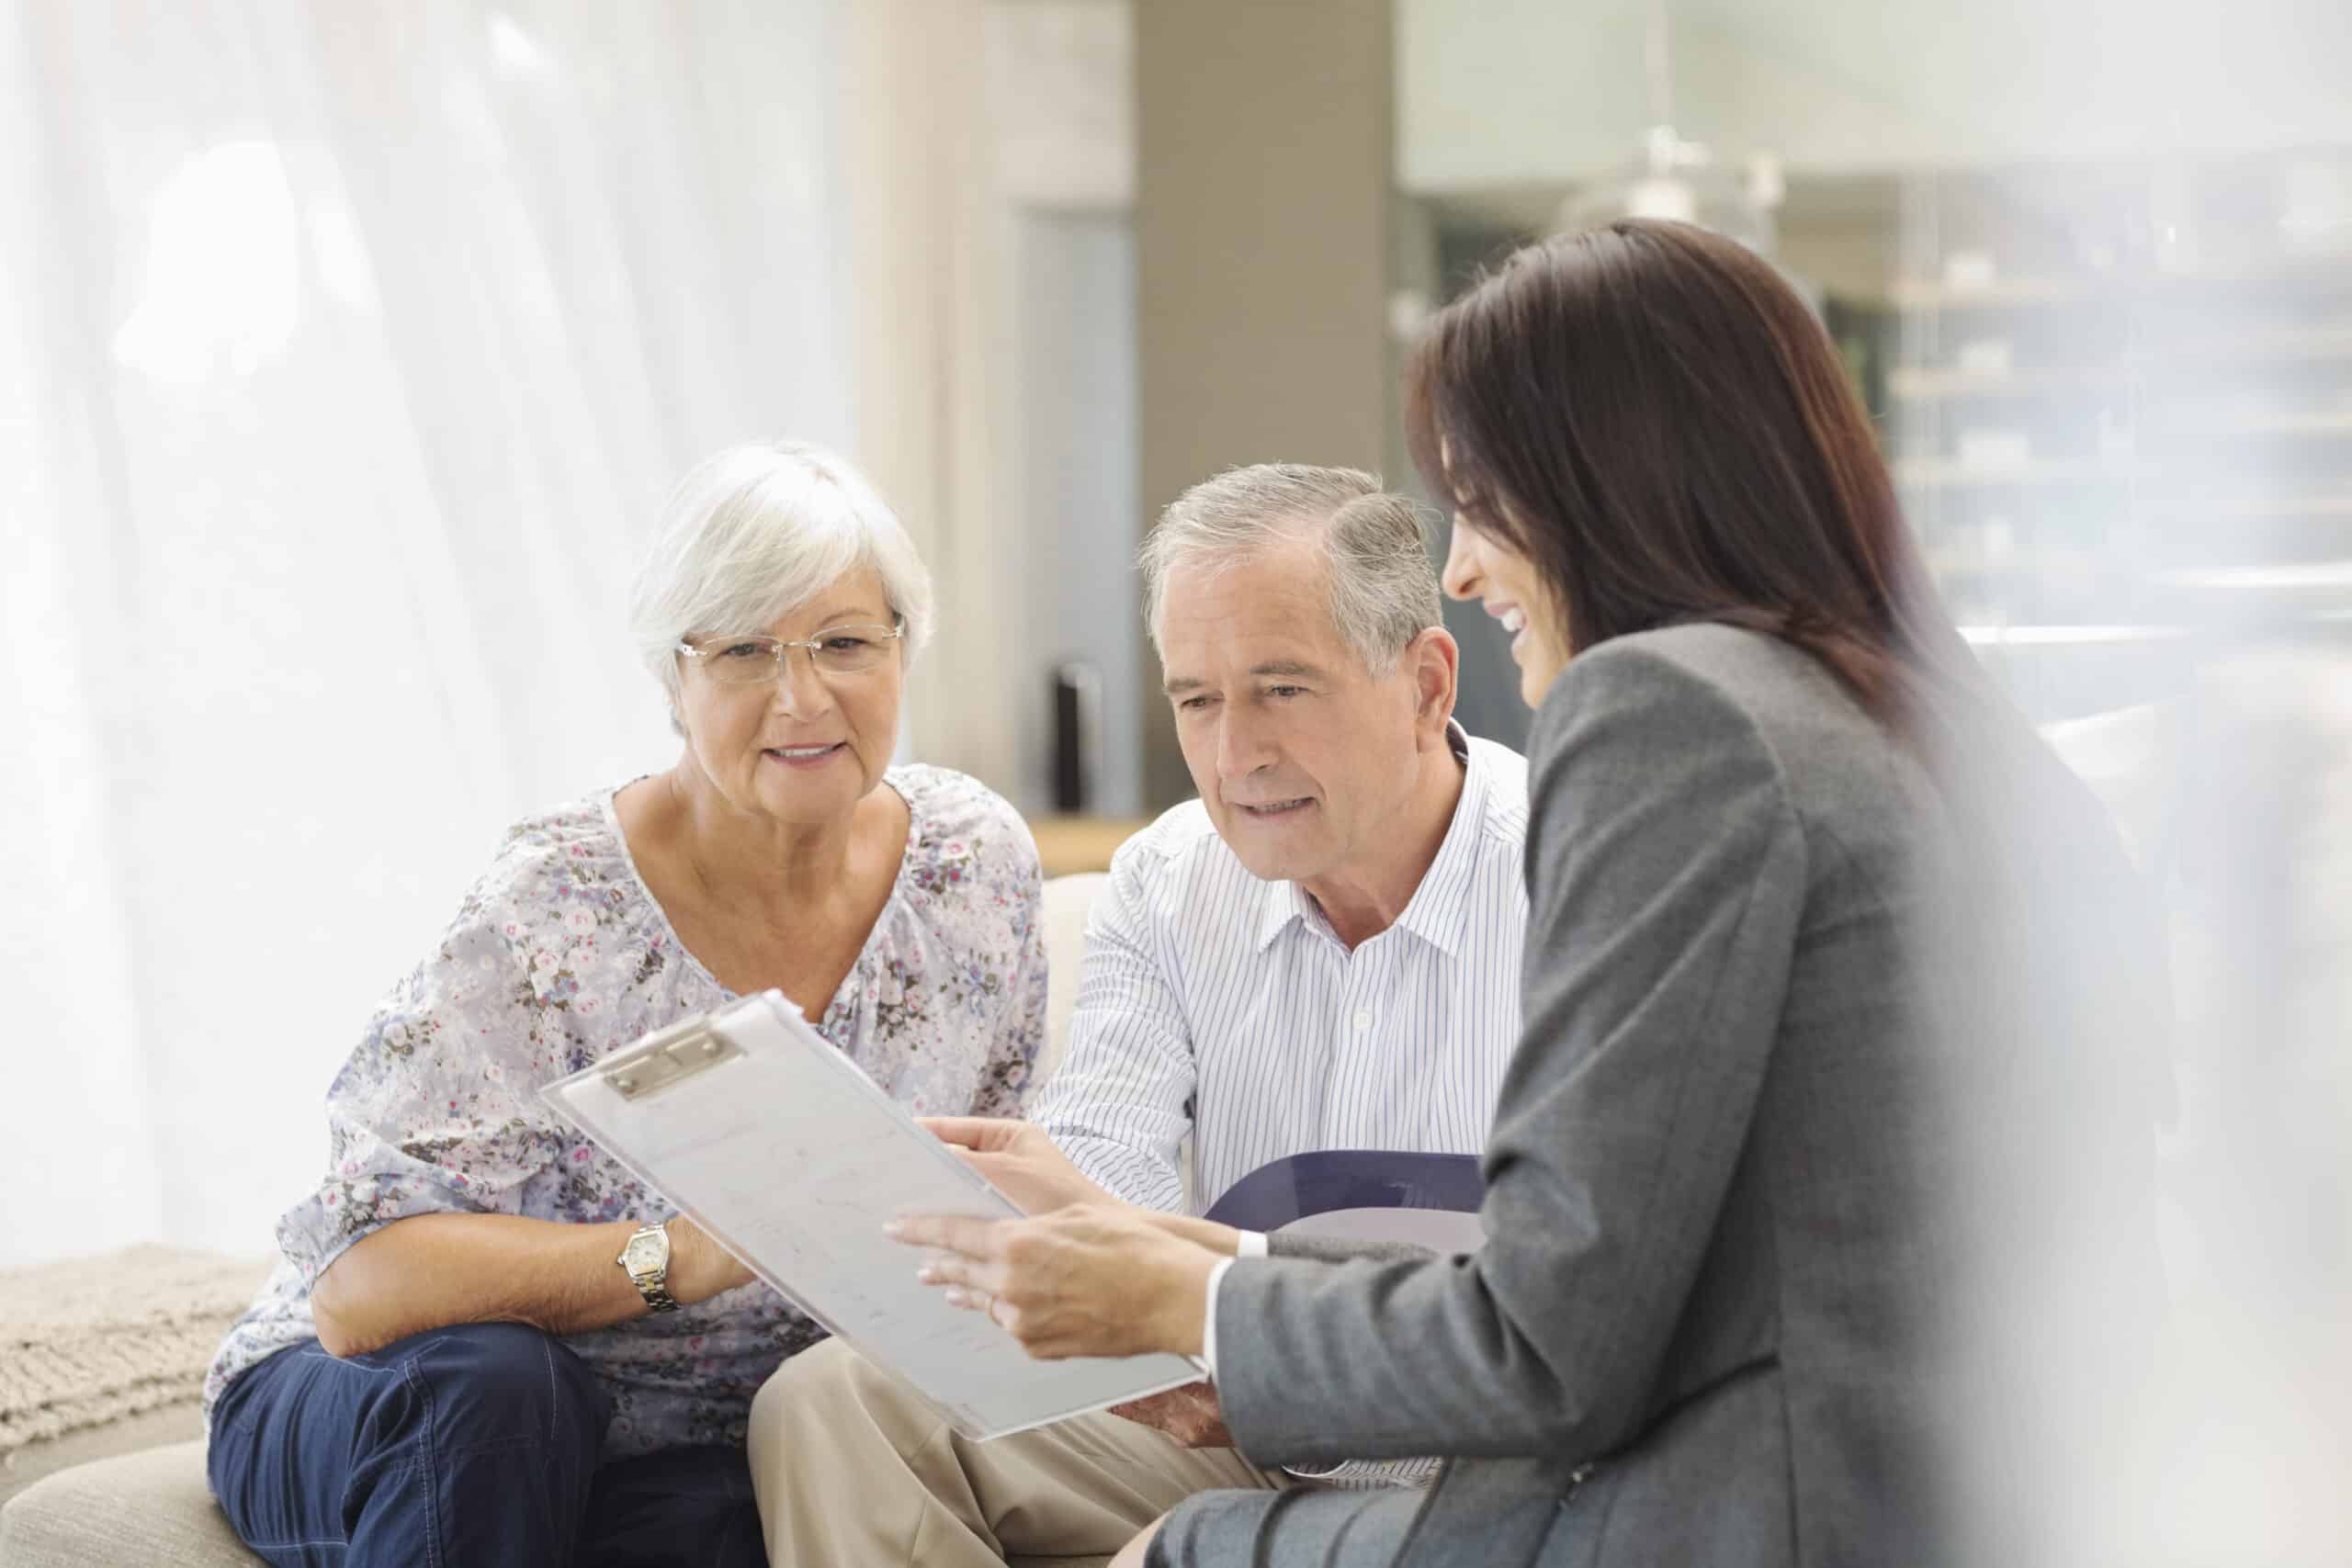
852	1469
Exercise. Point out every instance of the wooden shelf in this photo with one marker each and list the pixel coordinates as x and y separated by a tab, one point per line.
2332	577
2001	294
2146	370
1927	384
2034	293
2281	345
2065	636
1070	845
2334	423
2285	509
2331	268
1952	473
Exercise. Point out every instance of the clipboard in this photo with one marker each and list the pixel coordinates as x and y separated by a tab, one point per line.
775	1143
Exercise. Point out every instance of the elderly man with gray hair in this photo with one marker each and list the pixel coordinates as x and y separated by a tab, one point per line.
1320	952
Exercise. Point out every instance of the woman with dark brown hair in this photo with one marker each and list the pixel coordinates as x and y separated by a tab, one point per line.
1794	947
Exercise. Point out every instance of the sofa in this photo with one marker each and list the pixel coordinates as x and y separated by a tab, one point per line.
114	1470
136	1494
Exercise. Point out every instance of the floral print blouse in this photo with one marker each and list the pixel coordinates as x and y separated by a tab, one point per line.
559	955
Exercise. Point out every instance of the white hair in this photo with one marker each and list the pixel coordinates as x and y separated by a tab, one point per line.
755	531
1383	586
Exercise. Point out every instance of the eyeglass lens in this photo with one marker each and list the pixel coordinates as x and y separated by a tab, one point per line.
838	650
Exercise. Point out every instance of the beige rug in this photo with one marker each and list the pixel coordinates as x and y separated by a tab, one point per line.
95	1340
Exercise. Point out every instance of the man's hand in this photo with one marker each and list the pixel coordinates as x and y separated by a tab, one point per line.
1087	1280
1018	1160
1191	1414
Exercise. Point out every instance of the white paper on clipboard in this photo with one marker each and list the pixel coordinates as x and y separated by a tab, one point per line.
778	1146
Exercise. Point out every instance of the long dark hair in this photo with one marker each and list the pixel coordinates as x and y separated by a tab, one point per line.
1655	420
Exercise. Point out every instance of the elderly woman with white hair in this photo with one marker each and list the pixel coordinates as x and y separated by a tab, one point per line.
487	1342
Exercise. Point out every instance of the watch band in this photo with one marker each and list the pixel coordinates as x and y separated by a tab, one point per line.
653	1284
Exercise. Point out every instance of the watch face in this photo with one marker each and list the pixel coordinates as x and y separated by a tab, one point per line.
645	1252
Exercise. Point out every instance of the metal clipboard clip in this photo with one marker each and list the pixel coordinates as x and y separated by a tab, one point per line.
670	1057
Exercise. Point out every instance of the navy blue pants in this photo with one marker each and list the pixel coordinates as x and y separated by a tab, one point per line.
473	1445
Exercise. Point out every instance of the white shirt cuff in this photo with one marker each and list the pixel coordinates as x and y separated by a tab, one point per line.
1251	1244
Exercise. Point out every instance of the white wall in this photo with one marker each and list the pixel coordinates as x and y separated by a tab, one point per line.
1507	91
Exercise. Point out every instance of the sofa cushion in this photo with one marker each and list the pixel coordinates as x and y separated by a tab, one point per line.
176	1423
141	1507
1068	900
152	1507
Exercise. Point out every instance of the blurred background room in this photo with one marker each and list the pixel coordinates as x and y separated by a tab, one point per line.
347	351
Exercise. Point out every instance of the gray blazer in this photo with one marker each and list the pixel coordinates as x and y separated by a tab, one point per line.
1705	1326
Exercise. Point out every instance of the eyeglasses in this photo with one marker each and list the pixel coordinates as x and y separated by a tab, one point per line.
756	661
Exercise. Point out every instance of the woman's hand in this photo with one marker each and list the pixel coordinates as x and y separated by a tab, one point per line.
1018	1160
700	1268
1088	1279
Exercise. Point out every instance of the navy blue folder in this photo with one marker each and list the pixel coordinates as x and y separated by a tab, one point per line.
1287	1189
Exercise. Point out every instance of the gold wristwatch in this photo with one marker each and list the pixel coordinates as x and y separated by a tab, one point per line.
646	1262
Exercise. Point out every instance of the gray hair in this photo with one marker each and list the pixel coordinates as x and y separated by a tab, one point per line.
755	531
1383	585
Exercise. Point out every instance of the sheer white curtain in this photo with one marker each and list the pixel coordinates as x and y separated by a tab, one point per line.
344	353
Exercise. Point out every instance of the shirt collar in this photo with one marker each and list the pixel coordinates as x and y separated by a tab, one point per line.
1279	903
1438	911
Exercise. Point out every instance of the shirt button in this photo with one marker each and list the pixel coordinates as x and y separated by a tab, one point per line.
1363	1022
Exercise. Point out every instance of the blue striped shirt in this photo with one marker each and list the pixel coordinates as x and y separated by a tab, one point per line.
1220	1007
